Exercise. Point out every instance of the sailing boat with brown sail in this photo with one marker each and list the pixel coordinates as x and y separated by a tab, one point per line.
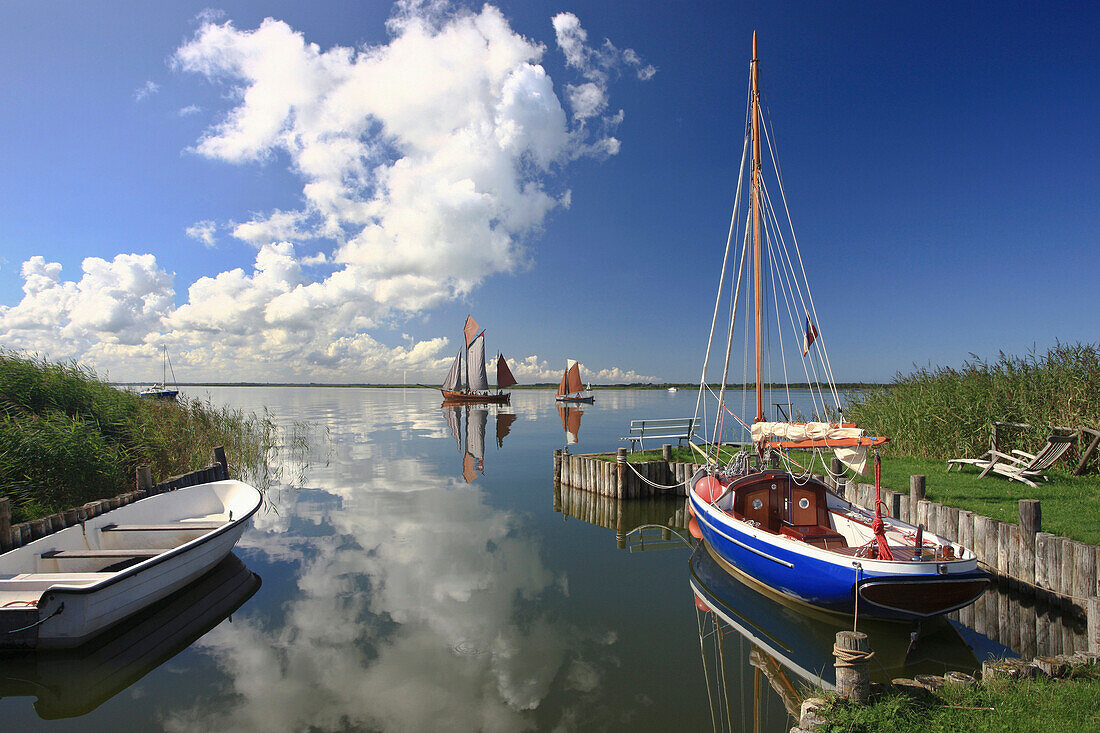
571	388
476	388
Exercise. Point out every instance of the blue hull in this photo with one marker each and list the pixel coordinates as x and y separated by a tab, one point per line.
793	569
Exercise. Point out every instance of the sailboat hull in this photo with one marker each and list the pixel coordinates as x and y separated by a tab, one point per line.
475	397
828	580
588	400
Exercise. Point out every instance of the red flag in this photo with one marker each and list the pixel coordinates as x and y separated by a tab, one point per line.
811	335
470	330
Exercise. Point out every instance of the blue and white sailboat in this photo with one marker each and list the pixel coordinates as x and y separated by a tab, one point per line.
759	511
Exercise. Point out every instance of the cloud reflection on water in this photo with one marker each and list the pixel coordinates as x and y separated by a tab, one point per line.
414	603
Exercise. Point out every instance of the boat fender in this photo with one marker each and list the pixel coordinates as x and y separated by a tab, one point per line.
693	528
709	489
701	605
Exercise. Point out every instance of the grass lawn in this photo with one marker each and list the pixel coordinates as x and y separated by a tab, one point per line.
1031	706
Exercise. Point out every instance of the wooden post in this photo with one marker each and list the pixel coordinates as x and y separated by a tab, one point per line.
219	458
620	465
5	524
836	471
916	494
1094	625
71	516
557	467
1031	523
666	452
853	681
143	478
38	529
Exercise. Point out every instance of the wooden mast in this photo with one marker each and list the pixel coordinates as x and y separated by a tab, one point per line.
756	224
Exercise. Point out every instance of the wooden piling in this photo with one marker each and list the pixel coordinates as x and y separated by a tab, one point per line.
1003	548
1065	572
5	524
1084	574
853	681
1031	522
666	452
836	470
620	466
916	494
1093	625
38	529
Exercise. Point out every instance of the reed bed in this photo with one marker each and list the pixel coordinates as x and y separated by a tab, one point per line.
943	412
67	437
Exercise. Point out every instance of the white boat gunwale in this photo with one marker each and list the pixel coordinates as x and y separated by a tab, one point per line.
115	577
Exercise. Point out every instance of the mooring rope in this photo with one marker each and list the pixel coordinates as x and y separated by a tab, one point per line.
39	622
851	657
662	487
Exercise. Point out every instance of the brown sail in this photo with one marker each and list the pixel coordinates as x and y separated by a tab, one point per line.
504	374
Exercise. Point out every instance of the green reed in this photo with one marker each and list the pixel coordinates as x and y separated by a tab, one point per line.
943	412
67	437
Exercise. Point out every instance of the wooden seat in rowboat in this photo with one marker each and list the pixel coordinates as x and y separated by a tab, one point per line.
166	527
70	554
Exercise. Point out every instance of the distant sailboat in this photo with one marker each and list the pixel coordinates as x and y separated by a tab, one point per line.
162	391
476	388
571	388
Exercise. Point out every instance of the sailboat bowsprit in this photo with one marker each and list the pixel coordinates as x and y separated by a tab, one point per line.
476	387
760	512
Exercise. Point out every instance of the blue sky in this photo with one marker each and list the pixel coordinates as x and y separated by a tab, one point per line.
940	163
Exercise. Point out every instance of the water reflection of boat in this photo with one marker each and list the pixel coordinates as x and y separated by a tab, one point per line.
570	422
798	640
471	440
76	681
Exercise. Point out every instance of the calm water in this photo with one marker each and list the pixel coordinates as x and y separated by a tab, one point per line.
426	575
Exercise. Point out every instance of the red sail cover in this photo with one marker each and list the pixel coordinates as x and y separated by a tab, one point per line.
504	374
470	330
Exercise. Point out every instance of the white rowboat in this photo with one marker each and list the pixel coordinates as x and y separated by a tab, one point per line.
65	588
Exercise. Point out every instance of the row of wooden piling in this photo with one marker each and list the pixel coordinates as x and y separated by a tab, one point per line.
1020	554
22	533
594	472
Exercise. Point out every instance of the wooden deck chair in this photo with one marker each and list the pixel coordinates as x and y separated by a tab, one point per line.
1023	467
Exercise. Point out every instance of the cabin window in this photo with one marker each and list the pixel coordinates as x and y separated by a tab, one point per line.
756	504
803	503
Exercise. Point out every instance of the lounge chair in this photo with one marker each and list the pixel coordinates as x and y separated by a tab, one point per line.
1022	466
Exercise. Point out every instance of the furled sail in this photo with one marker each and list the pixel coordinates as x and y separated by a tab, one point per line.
848	442
454	374
504	374
475	363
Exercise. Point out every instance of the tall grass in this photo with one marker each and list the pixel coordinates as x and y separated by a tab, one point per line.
943	412
67	437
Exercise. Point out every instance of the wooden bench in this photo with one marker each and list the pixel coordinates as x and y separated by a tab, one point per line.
675	428
169	527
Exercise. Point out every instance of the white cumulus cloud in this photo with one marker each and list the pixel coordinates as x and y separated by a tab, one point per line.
426	164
